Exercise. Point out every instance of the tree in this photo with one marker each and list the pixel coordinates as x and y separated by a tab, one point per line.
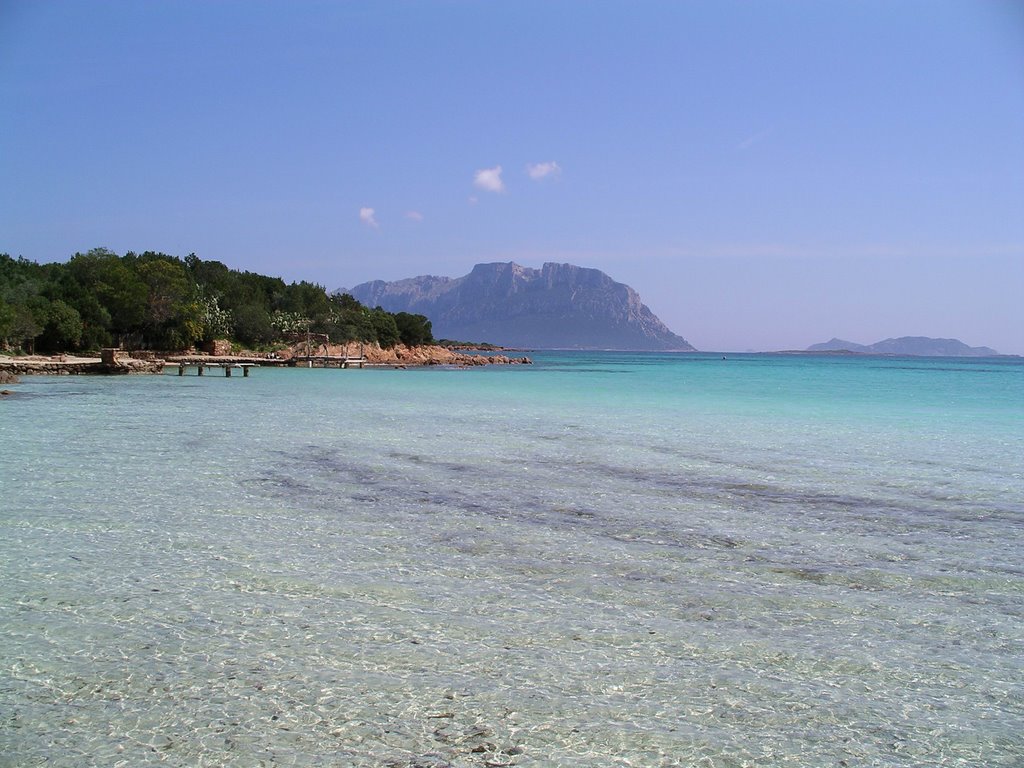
414	329
95	318
173	313
63	329
187	326
385	328
167	287
31	312
27	325
253	326
116	286
306	299
7	315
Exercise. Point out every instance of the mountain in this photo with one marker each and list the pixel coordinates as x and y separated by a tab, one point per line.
907	345
559	306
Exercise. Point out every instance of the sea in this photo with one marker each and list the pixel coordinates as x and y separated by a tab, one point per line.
600	559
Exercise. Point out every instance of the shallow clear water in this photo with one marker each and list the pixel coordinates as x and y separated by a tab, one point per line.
600	560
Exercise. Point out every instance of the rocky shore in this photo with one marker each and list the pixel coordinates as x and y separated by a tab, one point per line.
110	362
7	377
122	362
399	356
429	354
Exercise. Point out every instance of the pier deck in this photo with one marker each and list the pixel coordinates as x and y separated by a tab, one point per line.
332	361
202	366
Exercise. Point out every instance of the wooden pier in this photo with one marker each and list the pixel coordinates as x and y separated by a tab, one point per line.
332	361
228	367
314	358
306	361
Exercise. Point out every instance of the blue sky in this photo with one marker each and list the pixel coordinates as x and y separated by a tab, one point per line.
766	174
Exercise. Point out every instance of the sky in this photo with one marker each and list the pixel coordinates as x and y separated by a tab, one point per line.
766	174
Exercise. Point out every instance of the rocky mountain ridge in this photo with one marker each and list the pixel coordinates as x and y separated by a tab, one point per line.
559	306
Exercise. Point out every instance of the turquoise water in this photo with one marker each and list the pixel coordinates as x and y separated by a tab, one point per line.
599	560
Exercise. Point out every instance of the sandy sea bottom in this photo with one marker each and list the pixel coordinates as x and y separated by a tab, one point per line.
602	560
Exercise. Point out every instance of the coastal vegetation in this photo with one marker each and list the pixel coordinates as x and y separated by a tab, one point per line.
152	300
481	346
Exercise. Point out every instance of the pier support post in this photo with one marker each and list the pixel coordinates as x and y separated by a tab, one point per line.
201	369
227	371
245	370
181	369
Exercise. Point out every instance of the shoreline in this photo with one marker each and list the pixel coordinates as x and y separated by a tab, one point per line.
135	362
114	362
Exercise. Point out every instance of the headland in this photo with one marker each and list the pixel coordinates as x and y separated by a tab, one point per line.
122	362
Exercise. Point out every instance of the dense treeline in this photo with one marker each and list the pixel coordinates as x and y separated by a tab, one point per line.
155	301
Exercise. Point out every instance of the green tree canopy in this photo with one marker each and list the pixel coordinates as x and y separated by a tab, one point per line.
413	329
153	300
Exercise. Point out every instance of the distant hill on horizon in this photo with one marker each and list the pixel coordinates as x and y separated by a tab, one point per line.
559	306
923	346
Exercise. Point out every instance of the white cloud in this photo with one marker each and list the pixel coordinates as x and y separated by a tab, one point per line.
472	200
414	216
538	171
489	179
366	215
750	141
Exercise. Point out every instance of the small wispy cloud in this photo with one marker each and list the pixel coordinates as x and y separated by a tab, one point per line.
472	200
750	141
366	215
414	216
538	171
489	179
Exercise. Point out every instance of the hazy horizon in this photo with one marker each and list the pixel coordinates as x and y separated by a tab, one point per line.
766	176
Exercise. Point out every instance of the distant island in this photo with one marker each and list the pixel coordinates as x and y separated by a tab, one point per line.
922	346
559	306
